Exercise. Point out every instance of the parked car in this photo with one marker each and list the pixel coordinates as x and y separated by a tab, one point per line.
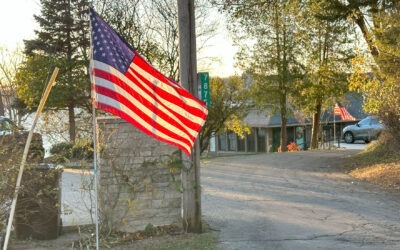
7	126
367	129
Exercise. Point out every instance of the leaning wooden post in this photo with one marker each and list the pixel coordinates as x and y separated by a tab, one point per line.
191	205
25	155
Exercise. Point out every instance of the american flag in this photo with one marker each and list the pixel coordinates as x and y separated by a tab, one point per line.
341	111
125	85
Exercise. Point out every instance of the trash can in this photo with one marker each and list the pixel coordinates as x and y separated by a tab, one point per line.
38	210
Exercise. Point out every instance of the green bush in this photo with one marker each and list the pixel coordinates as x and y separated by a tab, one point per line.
11	151
83	150
62	152
62	149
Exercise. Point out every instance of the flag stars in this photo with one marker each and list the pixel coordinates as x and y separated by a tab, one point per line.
108	47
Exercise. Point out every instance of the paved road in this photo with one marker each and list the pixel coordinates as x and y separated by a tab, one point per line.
296	201
356	145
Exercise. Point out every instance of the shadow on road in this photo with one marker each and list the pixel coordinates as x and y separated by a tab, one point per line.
298	200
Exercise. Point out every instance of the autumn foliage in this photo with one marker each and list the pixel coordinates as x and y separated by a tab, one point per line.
291	147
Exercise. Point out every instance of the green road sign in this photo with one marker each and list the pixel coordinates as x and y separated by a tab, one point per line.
203	80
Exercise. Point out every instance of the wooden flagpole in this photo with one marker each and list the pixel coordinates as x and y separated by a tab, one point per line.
25	154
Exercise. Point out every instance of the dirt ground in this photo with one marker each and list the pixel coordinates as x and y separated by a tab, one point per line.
386	175
376	165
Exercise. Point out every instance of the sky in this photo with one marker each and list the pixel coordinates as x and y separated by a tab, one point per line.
17	23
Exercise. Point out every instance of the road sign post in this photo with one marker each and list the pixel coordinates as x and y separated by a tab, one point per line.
203	80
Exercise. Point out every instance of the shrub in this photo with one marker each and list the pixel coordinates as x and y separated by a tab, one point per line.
62	152
11	151
62	149
291	147
83	150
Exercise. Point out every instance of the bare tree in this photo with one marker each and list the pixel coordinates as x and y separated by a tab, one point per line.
9	63
151	27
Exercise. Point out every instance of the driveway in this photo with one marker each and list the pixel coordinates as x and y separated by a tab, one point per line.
297	200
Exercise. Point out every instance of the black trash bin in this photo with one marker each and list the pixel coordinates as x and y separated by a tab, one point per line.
38	210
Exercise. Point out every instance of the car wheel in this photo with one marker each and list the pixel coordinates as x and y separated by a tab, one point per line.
348	137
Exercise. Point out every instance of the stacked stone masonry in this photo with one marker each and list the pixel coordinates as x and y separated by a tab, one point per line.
139	184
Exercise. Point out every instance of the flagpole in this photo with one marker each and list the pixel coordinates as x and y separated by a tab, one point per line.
95	173
25	155
94	124
334	125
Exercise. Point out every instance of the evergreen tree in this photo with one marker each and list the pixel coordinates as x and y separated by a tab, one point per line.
61	41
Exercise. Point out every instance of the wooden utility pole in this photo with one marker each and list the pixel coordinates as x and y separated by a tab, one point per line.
188	74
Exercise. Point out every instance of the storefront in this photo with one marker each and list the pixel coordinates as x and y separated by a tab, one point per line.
261	140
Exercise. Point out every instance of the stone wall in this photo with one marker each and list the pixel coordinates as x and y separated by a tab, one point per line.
139	178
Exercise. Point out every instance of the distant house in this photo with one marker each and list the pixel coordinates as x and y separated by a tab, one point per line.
266	129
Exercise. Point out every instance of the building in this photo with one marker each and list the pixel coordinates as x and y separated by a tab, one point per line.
266	129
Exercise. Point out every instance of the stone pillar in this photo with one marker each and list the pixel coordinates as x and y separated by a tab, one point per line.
139	178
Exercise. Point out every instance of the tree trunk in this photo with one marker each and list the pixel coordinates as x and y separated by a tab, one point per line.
315	126
359	19
283	122
1	104
71	119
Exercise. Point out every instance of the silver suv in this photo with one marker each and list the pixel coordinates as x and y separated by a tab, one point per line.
7	126
367	129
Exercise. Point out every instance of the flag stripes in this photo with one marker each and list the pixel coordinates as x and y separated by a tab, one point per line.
124	84
341	111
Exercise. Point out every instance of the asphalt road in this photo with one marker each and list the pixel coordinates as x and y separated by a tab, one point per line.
300	200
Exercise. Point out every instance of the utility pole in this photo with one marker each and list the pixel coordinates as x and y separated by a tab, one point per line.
191	205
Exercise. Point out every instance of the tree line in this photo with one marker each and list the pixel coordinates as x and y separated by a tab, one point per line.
311	47
295	56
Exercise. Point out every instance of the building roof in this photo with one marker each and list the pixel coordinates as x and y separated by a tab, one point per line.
353	104
263	119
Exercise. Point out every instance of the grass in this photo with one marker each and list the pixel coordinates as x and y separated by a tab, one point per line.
207	240
379	163
161	238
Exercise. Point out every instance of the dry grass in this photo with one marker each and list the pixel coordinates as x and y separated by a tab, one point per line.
379	164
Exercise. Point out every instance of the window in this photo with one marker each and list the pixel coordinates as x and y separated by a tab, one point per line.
261	147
